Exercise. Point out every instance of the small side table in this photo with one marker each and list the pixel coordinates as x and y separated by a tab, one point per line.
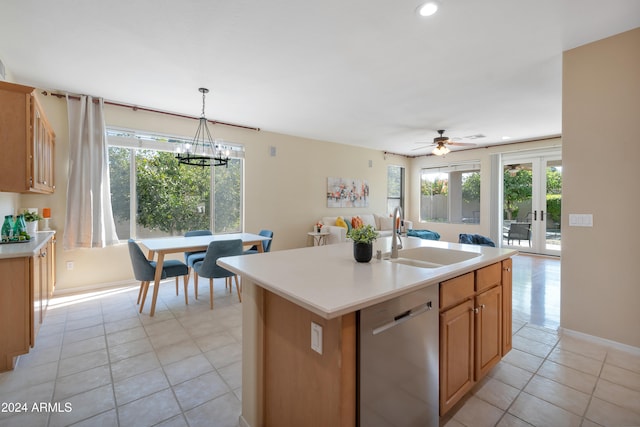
319	238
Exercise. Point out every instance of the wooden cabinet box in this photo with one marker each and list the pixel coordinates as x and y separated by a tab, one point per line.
26	286
475	318
27	142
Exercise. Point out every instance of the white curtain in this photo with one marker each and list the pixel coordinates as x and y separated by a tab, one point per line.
89	222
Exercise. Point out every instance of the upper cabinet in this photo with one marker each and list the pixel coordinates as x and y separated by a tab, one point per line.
27	142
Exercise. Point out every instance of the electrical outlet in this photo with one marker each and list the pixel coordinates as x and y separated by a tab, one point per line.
69	265
316	337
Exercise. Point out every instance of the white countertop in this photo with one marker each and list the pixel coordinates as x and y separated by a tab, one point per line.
28	249
326	280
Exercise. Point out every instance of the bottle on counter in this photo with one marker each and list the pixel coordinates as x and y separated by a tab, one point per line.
20	229
7	228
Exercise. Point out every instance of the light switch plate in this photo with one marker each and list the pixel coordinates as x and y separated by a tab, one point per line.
316	337
581	220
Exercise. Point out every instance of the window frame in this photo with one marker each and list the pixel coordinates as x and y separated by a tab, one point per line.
140	140
401	198
454	208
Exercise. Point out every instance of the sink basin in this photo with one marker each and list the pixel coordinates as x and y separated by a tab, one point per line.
428	257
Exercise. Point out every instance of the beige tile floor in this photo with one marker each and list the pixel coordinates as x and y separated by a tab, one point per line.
104	364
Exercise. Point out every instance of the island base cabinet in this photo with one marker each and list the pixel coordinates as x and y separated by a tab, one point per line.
14	310
456	354
301	386
475	319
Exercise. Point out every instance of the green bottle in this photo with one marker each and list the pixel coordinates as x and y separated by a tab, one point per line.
7	228
20	228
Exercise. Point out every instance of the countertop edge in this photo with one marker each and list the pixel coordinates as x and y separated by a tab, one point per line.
350	306
29	249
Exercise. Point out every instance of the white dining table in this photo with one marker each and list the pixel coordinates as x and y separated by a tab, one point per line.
162	246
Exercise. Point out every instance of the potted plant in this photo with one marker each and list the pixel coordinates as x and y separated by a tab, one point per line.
31	218
363	238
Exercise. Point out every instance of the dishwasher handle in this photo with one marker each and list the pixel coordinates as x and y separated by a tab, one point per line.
403	317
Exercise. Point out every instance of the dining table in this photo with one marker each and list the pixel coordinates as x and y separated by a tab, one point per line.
161	246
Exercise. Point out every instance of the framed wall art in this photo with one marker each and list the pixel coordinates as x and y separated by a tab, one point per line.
347	193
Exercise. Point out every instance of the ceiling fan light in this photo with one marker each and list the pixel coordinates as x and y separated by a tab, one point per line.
440	150
428	8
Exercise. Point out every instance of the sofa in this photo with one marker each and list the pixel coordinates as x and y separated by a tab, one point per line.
338	234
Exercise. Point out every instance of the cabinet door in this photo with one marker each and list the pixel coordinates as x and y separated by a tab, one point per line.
41	151
507	306
36	297
488	328
15	310
456	354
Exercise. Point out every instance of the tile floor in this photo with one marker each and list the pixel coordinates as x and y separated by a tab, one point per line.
103	364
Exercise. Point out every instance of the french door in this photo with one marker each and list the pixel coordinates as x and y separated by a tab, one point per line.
532	201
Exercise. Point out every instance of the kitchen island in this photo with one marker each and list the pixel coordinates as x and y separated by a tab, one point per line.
285	381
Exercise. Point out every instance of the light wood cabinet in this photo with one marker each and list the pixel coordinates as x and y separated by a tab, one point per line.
15	310
27	284
474	311
27	142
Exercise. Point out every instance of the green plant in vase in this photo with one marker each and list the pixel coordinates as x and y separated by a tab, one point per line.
31	218
363	238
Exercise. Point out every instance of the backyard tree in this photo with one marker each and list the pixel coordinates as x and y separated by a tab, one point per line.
174	198
517	189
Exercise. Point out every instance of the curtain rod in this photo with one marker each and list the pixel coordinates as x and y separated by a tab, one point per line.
151	110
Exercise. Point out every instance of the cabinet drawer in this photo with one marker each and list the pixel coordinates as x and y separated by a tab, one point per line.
457	289
488	277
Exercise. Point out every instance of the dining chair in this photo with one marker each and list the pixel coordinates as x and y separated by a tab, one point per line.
191	258
266	244
209	269
145	270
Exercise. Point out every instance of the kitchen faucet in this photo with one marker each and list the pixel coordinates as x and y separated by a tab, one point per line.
396	242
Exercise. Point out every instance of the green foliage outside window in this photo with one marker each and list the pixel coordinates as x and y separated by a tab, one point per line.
174	198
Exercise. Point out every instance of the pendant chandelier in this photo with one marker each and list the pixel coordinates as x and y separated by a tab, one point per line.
202	151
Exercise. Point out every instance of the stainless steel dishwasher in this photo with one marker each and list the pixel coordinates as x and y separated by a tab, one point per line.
398	355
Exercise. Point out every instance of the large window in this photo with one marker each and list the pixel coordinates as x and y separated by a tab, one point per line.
395	188
450	194
153	195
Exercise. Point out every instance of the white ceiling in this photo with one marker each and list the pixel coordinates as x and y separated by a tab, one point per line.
361	72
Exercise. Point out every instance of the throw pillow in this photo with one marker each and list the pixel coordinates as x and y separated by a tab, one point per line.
356	222
341	223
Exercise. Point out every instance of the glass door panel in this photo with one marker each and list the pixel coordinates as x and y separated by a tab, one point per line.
517	204
532	200
552	214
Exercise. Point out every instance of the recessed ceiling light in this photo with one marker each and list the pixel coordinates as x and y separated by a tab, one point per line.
428	8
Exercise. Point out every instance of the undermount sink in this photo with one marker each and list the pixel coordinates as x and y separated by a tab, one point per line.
429	257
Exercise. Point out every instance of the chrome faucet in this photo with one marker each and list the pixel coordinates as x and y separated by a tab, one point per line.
396	243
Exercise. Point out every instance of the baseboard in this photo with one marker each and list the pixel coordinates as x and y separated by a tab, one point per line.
242	422
95	287
601	341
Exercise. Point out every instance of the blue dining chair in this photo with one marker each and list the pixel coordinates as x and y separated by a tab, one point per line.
145	271
209	269
266	244
191	258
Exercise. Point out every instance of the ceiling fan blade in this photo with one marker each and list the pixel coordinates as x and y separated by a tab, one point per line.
462	144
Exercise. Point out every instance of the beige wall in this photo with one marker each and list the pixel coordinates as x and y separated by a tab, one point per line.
601	124
284	193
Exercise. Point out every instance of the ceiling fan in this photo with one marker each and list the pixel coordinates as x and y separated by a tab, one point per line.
441	143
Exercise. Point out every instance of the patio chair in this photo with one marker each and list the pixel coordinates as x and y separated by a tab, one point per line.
519	231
